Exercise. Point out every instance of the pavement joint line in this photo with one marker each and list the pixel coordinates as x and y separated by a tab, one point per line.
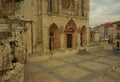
113	58
104	63
93	74
81	67
51	72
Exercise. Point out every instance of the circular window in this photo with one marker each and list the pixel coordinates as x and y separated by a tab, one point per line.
66	4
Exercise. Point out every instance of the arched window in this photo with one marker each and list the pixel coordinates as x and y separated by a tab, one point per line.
82	7
53	6
54	37
50	5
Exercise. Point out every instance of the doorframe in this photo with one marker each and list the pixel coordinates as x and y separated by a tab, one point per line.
71	40
51	43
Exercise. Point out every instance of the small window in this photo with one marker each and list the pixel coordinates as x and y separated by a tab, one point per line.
118	44
118	27
82	8
50	5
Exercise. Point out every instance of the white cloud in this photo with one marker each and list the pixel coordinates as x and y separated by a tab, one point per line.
102	11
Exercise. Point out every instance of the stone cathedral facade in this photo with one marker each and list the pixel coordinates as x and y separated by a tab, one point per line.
55	24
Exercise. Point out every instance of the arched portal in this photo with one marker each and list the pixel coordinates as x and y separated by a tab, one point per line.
54	37
71	34
83	34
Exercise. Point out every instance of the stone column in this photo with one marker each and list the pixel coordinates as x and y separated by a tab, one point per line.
79	39
40	24
88	36
60	7
62	37
80	8
62	41
45	38
28	38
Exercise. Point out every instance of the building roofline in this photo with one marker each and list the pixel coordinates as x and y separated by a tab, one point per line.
116	22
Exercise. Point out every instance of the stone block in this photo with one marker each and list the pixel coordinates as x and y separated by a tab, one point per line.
15	75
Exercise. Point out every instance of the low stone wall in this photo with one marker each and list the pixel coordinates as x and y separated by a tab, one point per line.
61	53
15	75
97	46
94	48
104	45
51	54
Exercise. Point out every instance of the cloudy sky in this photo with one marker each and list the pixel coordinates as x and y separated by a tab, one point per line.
102	11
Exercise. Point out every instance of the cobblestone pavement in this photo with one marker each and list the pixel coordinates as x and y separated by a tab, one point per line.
93	67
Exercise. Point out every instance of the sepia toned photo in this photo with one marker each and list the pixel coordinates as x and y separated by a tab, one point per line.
59	41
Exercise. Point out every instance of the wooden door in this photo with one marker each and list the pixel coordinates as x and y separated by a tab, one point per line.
69	40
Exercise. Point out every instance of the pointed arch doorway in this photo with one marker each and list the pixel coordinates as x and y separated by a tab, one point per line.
54	37
70	34
83	37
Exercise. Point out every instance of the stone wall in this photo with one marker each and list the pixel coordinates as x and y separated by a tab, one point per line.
5	56
16	75
7	72
94	48
54	54
97	46
104	44
60	52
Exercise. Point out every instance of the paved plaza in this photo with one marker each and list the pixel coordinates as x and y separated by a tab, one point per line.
92	67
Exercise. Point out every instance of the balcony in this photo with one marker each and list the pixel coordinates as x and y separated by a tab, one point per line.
117	37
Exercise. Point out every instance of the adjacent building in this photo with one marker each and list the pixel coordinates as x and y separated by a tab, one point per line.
116	35
94	35
106	31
